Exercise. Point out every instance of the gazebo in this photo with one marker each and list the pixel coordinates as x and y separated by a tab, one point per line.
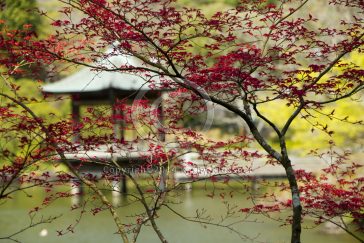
90	86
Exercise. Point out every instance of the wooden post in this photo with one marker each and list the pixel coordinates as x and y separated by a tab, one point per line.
118	124
163	179
124	188
76	191
254	184
161	130
75	120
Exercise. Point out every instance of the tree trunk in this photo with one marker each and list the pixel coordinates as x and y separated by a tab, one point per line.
296	204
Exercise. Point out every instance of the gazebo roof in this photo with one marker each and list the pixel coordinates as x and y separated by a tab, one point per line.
89	80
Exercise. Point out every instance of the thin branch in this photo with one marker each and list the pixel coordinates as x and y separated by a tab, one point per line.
204	222
280	21
351	93
266	120
69	166
292	117
31	225
333	63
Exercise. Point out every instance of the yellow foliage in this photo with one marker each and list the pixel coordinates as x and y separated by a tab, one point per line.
303	136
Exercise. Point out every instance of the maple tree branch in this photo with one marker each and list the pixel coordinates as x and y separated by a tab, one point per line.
69	166
270	150
147	209
148	39
32	224
341	226
293	116
280	21
357	89
206	222
333	63
270	123
110	69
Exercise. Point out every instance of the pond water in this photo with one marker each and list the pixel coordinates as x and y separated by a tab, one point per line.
101	228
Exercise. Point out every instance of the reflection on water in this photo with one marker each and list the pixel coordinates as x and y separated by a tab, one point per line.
100	228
